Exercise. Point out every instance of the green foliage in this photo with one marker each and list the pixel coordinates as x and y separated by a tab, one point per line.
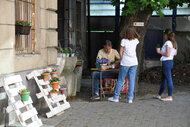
54	79
24	91
133	6
53	90
46	71
22	22
54	70
158	46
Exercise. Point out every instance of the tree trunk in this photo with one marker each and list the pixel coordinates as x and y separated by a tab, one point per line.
141	16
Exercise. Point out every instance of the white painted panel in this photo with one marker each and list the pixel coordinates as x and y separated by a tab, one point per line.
28	114
12	79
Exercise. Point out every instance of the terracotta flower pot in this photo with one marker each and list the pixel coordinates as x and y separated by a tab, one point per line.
55	85
54	74
46	76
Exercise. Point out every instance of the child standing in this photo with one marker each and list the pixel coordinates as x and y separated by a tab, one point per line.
128	63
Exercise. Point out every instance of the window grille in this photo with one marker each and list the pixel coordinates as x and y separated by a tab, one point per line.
25	9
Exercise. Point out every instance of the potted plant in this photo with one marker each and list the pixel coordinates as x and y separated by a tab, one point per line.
55	82
113	64
53	93
63	89
24	94
59	54
102	63
22	27
46	75
54	73
72	53
64	53
158	47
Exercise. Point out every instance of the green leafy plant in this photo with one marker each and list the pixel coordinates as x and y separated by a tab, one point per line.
113	62
54	79
63	86
22	91
22	22
158	46
64	51
54	70
58	50
53	90
46	71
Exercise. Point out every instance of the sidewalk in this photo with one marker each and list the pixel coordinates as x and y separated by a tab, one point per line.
144	112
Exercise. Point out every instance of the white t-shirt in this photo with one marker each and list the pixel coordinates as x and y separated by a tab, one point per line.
129	53
172	51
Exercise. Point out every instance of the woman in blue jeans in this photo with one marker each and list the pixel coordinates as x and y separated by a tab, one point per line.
128	63
168	51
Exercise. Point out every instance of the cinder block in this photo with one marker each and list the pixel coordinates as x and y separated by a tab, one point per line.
7	38
7	12
52	56
52	20
52	5
52	38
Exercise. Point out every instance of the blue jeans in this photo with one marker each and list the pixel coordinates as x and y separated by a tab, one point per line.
122	74
96	77
166	77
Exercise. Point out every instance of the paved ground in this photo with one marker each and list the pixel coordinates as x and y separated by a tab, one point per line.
144	112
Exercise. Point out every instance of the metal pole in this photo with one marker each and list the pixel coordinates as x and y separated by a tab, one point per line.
89	36
117	14
174	19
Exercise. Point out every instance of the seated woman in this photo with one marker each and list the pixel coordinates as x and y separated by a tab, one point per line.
108	53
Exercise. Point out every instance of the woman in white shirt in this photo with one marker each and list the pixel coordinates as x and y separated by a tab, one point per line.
128	63
168	51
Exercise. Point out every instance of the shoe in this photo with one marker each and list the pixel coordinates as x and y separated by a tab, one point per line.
95	97
130	101
167	99
158	97
112	99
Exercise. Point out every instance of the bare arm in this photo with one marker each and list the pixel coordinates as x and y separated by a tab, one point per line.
167	54
121	52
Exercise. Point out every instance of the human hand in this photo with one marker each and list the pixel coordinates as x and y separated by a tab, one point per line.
158	51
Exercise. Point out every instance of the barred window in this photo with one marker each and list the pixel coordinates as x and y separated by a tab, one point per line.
25	10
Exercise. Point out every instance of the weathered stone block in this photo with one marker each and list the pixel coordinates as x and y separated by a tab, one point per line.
43	38
52	56
52	20
7	38
43	18
52	5
7	61
7	12
43	4
52	38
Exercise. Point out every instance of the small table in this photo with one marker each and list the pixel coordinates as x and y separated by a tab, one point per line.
107	70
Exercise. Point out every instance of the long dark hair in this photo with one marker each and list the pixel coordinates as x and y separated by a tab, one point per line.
130	33
171	37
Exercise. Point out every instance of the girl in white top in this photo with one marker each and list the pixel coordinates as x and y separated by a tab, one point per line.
168	51
128	64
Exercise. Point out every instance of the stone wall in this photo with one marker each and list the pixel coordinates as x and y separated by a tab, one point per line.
45	55
46	37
